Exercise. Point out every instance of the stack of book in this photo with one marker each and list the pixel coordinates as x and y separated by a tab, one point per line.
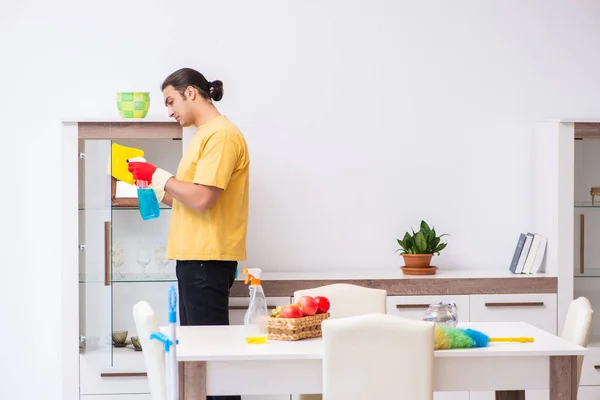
529	254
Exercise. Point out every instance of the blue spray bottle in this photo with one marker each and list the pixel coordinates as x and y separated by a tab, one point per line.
147	200
170	343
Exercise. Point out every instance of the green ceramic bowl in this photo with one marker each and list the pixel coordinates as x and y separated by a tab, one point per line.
119	338
133	104
137	345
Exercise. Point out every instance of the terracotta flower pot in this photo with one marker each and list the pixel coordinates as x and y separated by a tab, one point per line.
417	260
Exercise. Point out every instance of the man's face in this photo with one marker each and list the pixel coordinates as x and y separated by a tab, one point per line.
178	107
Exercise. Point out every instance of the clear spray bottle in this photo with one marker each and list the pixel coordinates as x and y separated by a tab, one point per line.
256	317
147	200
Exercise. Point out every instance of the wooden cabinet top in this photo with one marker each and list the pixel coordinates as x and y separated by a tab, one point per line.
445	282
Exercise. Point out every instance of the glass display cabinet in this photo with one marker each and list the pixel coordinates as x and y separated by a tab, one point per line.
122	257
586	218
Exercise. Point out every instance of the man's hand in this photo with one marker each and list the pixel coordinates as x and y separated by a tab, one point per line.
156	177
142	171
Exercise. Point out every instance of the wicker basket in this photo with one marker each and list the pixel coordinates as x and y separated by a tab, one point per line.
296	328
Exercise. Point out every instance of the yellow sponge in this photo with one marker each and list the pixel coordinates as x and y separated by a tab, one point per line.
117	165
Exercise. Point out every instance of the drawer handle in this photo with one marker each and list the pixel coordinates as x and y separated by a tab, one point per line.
107	257
246	307
596	366
521	304
121	374
582	241
399	306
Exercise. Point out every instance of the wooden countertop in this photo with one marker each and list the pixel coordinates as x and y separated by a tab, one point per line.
463	281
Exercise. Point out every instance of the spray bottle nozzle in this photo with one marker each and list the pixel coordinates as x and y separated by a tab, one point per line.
136	159
252	275
140	184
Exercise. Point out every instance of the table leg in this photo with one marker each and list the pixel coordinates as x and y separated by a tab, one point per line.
563	378
192	380
510	395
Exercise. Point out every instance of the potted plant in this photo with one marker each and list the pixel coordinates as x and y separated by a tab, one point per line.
418	249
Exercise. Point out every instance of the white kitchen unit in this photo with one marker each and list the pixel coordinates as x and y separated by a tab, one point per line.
538	309
586	251
104	240
566	169
120	259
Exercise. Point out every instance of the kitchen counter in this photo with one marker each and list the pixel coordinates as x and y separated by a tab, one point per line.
446	281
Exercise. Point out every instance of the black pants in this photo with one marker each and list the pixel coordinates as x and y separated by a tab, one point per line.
204	295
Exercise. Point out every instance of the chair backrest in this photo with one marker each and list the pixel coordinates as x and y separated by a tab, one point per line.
153	350
377	356
349	300
578	326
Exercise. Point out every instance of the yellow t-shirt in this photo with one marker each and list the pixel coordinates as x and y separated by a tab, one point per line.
217	156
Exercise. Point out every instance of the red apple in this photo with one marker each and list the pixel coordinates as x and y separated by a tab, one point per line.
322	304
307	305
290	311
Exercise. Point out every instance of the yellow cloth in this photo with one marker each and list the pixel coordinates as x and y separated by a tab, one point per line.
217	156
117	166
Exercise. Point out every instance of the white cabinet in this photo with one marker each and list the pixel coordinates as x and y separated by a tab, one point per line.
414	307
588	393
111	231
590	370
536	309
128	378
586	252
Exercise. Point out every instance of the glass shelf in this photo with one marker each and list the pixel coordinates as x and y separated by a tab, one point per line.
587	204
131	278
589	274
152	277
161	206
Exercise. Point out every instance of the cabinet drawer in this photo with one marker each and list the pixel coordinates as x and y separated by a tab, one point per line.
588	393
529	395
536	309
239	305
414	307
97	377
451	396
590	369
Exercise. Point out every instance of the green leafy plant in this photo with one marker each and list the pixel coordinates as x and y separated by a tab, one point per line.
425	241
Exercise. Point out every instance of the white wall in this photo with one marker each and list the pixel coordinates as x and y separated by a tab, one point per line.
362	118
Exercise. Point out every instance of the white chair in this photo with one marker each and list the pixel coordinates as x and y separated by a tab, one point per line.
578	326
153	350
346	301
349	300
377	356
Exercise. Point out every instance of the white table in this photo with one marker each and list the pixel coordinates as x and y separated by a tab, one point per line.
215	360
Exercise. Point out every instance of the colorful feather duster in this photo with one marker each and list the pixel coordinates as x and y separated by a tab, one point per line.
448	337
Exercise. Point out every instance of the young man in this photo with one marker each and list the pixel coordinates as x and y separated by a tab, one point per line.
209	199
